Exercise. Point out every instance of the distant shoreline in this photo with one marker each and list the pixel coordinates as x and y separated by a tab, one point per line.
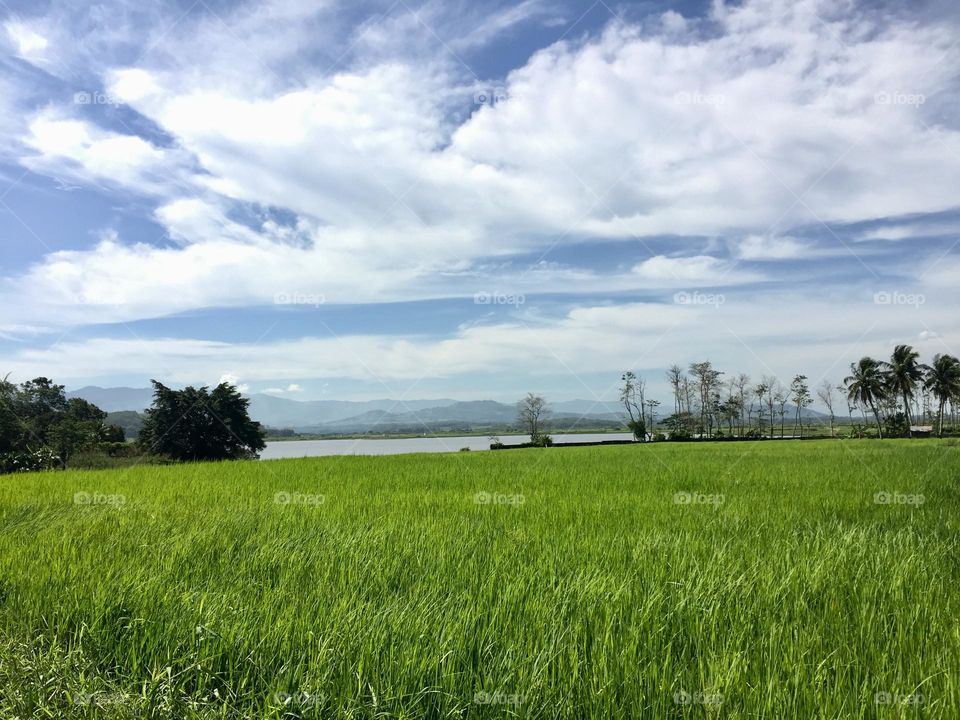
444	433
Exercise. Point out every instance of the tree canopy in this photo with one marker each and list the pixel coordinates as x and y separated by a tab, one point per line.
200	424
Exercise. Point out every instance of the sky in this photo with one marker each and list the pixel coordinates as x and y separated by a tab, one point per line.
468	200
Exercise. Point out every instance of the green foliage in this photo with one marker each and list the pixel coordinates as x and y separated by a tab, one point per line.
197	424
40	427
638	428
580	588
896	425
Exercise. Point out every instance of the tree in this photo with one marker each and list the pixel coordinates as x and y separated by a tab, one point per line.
760	391
675	378
780	397
825	393
631	395
772	384
942	379
11	428
707	379
800	392
37	420
197	424
652	406
904	373
532	411
741	383
867	386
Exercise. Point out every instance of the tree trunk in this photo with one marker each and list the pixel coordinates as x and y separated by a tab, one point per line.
877	416
906	410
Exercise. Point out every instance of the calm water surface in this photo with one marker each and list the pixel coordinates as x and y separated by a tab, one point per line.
374	446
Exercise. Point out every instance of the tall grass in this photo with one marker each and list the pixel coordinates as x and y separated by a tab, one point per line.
741	580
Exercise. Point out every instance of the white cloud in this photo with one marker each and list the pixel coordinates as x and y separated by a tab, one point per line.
29	43
764	247
740	334
77	149
662	271
907	231
770	120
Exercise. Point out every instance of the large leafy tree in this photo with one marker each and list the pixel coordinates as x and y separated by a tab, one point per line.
867	385
942	380
904	374
201	424
36	417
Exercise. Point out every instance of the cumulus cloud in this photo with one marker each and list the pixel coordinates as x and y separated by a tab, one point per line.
377	177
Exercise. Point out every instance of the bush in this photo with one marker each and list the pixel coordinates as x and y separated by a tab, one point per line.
639	429
26	461
659	437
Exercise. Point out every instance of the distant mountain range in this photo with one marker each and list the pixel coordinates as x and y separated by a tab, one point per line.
388	416
346	416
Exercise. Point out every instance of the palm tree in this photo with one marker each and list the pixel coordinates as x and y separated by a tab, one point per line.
943	380
904	373
867	385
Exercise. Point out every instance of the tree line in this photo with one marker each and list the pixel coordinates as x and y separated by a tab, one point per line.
42	429
891	394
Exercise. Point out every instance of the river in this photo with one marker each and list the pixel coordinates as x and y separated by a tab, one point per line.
399	446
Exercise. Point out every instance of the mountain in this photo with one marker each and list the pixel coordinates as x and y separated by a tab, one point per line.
339	416
130	420
284	412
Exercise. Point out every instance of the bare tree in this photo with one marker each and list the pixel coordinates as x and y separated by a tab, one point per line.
771	383
675	378
652	406
780	397
761	392
707	382
532	412
741	383
631	395
825	393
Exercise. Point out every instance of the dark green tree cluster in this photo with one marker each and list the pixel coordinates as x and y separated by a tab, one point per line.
890	389
200	424
897	394
41	428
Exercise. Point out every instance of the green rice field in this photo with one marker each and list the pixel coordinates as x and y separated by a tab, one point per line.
788	579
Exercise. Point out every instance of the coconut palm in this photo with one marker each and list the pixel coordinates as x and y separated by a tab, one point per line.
867	385
943	380
904	374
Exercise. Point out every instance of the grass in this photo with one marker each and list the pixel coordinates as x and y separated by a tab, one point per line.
581	586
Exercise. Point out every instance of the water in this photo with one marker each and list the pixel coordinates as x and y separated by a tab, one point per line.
398	446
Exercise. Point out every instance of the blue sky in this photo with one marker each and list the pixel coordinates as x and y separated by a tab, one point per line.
473	200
